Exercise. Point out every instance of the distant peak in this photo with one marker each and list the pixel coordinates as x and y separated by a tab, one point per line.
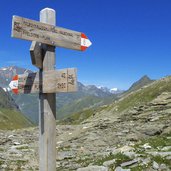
114	89
145	80
145	77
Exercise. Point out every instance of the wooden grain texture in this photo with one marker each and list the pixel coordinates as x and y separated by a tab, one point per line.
45	33
36	53
47	103
53	81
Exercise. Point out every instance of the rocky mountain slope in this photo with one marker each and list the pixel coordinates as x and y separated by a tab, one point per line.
131	134
10	116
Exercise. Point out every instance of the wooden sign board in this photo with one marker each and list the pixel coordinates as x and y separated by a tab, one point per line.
51	81
48	34
36	53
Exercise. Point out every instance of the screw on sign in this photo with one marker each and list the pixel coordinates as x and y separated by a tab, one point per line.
45	36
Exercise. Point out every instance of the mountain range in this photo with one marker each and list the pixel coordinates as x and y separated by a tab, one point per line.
67	103
87	96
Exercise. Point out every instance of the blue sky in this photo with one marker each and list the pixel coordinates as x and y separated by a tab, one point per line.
130	38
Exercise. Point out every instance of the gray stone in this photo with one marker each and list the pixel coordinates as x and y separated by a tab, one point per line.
4	166
167	148
146	146
163	167
109	163
153	131
129	163
146	161
168	157
93	168
121	169
130	154
162	154
155	165
132	137
16	143
65	155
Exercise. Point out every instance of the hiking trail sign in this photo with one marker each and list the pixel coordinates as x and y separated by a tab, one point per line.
48	34
64	80
45	36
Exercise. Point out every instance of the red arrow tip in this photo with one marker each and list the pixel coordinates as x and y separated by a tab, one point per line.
85	42
15	77
15	91
83	48
84	36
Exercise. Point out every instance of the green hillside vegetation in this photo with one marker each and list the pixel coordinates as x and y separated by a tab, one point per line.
143	95
79	110
79	105
29	105
10	116
77	118
12	119
128	101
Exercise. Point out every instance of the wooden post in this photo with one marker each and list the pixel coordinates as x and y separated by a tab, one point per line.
47	105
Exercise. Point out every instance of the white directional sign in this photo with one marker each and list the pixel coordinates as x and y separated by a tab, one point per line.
51	81
48	34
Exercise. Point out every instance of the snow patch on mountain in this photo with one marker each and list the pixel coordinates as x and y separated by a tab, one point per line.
114	89
6	89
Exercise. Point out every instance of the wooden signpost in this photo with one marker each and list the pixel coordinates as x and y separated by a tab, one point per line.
27	29
64	80
36	53
47	82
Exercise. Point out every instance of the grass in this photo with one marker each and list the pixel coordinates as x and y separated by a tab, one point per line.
161	160
140	168
1	162
144	95
65	148
85	161
22	148
1	149
156	142
119	158
137	98
77	118
78	105
12	119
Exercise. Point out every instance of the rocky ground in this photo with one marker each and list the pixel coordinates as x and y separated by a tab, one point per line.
136	139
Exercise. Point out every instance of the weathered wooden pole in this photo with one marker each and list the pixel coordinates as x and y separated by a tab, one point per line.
47	111
45	37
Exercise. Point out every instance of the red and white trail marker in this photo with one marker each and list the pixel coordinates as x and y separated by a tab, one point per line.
27	29
14	84
85	42
52	81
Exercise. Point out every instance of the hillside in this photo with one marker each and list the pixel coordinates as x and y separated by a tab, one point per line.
138	124
135	98
10	116
133	134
